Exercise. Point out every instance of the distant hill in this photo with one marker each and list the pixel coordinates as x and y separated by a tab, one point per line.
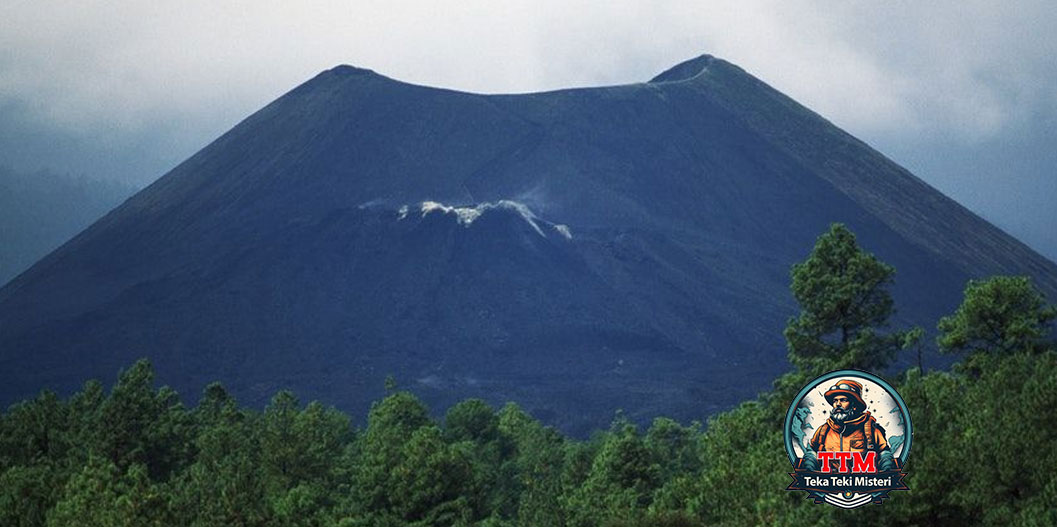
578	251
40	211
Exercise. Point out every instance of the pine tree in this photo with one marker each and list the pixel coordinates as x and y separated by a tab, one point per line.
844	299
1001	315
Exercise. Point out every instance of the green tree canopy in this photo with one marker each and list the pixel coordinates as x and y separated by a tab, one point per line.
471	420
1002	314
843	294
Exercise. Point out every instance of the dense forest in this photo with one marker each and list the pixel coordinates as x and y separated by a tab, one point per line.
984	445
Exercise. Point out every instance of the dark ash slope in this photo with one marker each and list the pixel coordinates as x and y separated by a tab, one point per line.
641	260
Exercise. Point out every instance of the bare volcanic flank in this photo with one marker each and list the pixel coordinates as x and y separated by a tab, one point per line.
576	251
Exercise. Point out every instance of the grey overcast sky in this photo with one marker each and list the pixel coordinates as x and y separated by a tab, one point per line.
964	93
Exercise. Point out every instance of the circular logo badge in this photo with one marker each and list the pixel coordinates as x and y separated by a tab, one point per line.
848	435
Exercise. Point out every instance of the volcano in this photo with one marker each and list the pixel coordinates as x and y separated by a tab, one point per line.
577	251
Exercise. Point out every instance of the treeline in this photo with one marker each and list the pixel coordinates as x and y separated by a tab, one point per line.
984	449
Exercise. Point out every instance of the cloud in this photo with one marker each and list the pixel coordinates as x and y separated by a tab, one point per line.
870	66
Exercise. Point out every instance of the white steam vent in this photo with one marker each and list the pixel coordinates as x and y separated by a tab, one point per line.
467	215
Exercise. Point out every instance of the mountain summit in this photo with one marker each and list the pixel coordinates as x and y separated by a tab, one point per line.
577	251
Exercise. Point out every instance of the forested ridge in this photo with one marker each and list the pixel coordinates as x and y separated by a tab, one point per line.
983	453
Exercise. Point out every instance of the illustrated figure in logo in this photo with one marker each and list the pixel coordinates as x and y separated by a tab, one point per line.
848	435
850	428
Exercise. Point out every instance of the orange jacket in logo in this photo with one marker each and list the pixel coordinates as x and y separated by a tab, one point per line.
851	436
